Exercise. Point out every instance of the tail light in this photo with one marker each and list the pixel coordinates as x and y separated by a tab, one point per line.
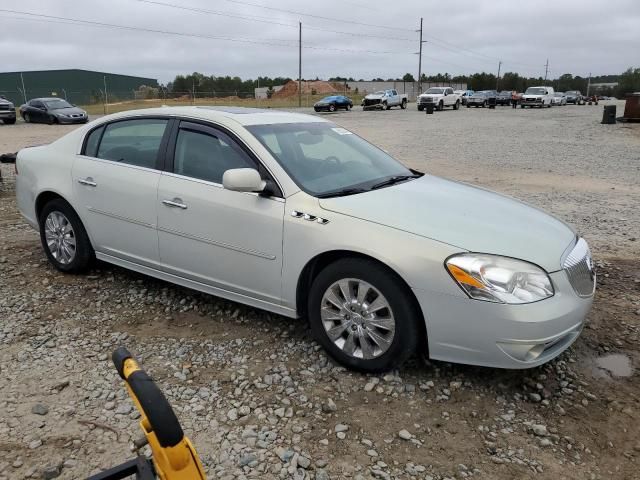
15	165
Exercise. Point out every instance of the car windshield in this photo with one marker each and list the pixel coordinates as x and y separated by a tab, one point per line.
435	90
57	104
571	92
326	160
558	94
328	99
535	91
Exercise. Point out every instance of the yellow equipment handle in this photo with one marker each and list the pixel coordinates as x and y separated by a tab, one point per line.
174	457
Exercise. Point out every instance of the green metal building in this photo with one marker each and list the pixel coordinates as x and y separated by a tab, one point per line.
80	87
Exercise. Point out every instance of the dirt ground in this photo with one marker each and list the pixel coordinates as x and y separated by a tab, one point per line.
258	396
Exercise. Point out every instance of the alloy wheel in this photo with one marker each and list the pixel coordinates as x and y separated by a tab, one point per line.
60	237
357	318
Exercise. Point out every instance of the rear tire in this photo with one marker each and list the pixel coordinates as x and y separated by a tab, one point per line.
403	105
387	335
60	225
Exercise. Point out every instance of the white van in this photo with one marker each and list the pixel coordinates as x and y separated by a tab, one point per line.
537	97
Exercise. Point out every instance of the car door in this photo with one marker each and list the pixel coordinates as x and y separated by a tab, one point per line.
115	182
226	239
37	111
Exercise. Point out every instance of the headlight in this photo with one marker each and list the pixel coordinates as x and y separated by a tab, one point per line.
499	279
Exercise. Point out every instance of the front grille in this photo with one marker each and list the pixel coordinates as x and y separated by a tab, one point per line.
6	108
580	269
371	101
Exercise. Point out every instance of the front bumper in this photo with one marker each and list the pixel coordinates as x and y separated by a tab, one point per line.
462	330
72	120
7	115
533	103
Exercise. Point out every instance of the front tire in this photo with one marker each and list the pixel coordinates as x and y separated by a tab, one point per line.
363	315
27	118
64	238
456	105
386	106
332	108
441	106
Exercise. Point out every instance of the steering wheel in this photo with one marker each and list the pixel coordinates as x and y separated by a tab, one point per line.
334	159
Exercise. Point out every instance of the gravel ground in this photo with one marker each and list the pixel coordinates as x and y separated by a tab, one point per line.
259	398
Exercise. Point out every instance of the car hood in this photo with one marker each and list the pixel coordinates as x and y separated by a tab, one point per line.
432	95
464	216
5	102
67	111
371	96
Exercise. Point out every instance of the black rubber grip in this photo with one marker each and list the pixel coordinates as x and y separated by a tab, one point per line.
118	356
163	420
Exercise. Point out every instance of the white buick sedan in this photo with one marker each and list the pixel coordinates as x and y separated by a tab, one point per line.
296	215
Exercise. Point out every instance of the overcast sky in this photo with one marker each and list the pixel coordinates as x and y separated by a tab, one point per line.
465	36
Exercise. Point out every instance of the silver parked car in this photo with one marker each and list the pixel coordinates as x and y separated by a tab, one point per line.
296	215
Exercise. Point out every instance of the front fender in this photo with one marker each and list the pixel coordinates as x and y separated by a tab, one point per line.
418	260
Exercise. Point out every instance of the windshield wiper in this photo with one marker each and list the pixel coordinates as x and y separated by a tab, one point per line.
393	180
342	193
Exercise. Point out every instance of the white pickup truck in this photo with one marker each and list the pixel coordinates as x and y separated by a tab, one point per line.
384	99
439	97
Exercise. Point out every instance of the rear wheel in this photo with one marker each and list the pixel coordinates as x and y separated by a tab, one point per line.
363	315
403	105
63	237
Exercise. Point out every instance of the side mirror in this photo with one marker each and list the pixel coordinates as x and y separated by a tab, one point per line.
243	180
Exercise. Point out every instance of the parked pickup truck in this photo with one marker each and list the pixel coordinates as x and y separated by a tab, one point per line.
7	111
384	99
439	97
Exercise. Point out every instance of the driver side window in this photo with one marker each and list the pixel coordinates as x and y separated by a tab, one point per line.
206	156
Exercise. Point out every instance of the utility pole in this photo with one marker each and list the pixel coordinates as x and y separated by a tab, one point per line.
589	84
498	77
24	92
300	64
546	70
420	61
106	99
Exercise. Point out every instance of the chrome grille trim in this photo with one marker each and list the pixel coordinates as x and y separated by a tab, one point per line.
580	269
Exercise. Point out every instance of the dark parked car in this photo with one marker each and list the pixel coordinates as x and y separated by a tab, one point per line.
481	99
52	110
503	98
573	96
333	103
7	111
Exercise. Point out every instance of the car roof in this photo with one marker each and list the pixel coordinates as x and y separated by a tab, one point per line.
242	115
46	99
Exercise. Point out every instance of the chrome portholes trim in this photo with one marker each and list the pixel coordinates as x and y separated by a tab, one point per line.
120	217
215	243
60	237
357	318
309	217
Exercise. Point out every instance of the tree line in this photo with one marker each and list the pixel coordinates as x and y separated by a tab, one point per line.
628	82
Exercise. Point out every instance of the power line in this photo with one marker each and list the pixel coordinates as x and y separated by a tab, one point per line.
332	19
254	18
270	42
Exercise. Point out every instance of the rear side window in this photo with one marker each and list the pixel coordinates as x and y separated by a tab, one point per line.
91	145
133	142
206	156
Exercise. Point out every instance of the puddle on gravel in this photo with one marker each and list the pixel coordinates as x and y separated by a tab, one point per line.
616	364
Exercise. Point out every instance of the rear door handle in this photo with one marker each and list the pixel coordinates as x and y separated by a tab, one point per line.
87	181
175	203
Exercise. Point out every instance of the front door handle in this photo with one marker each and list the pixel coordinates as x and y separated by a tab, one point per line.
175	203
87	181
